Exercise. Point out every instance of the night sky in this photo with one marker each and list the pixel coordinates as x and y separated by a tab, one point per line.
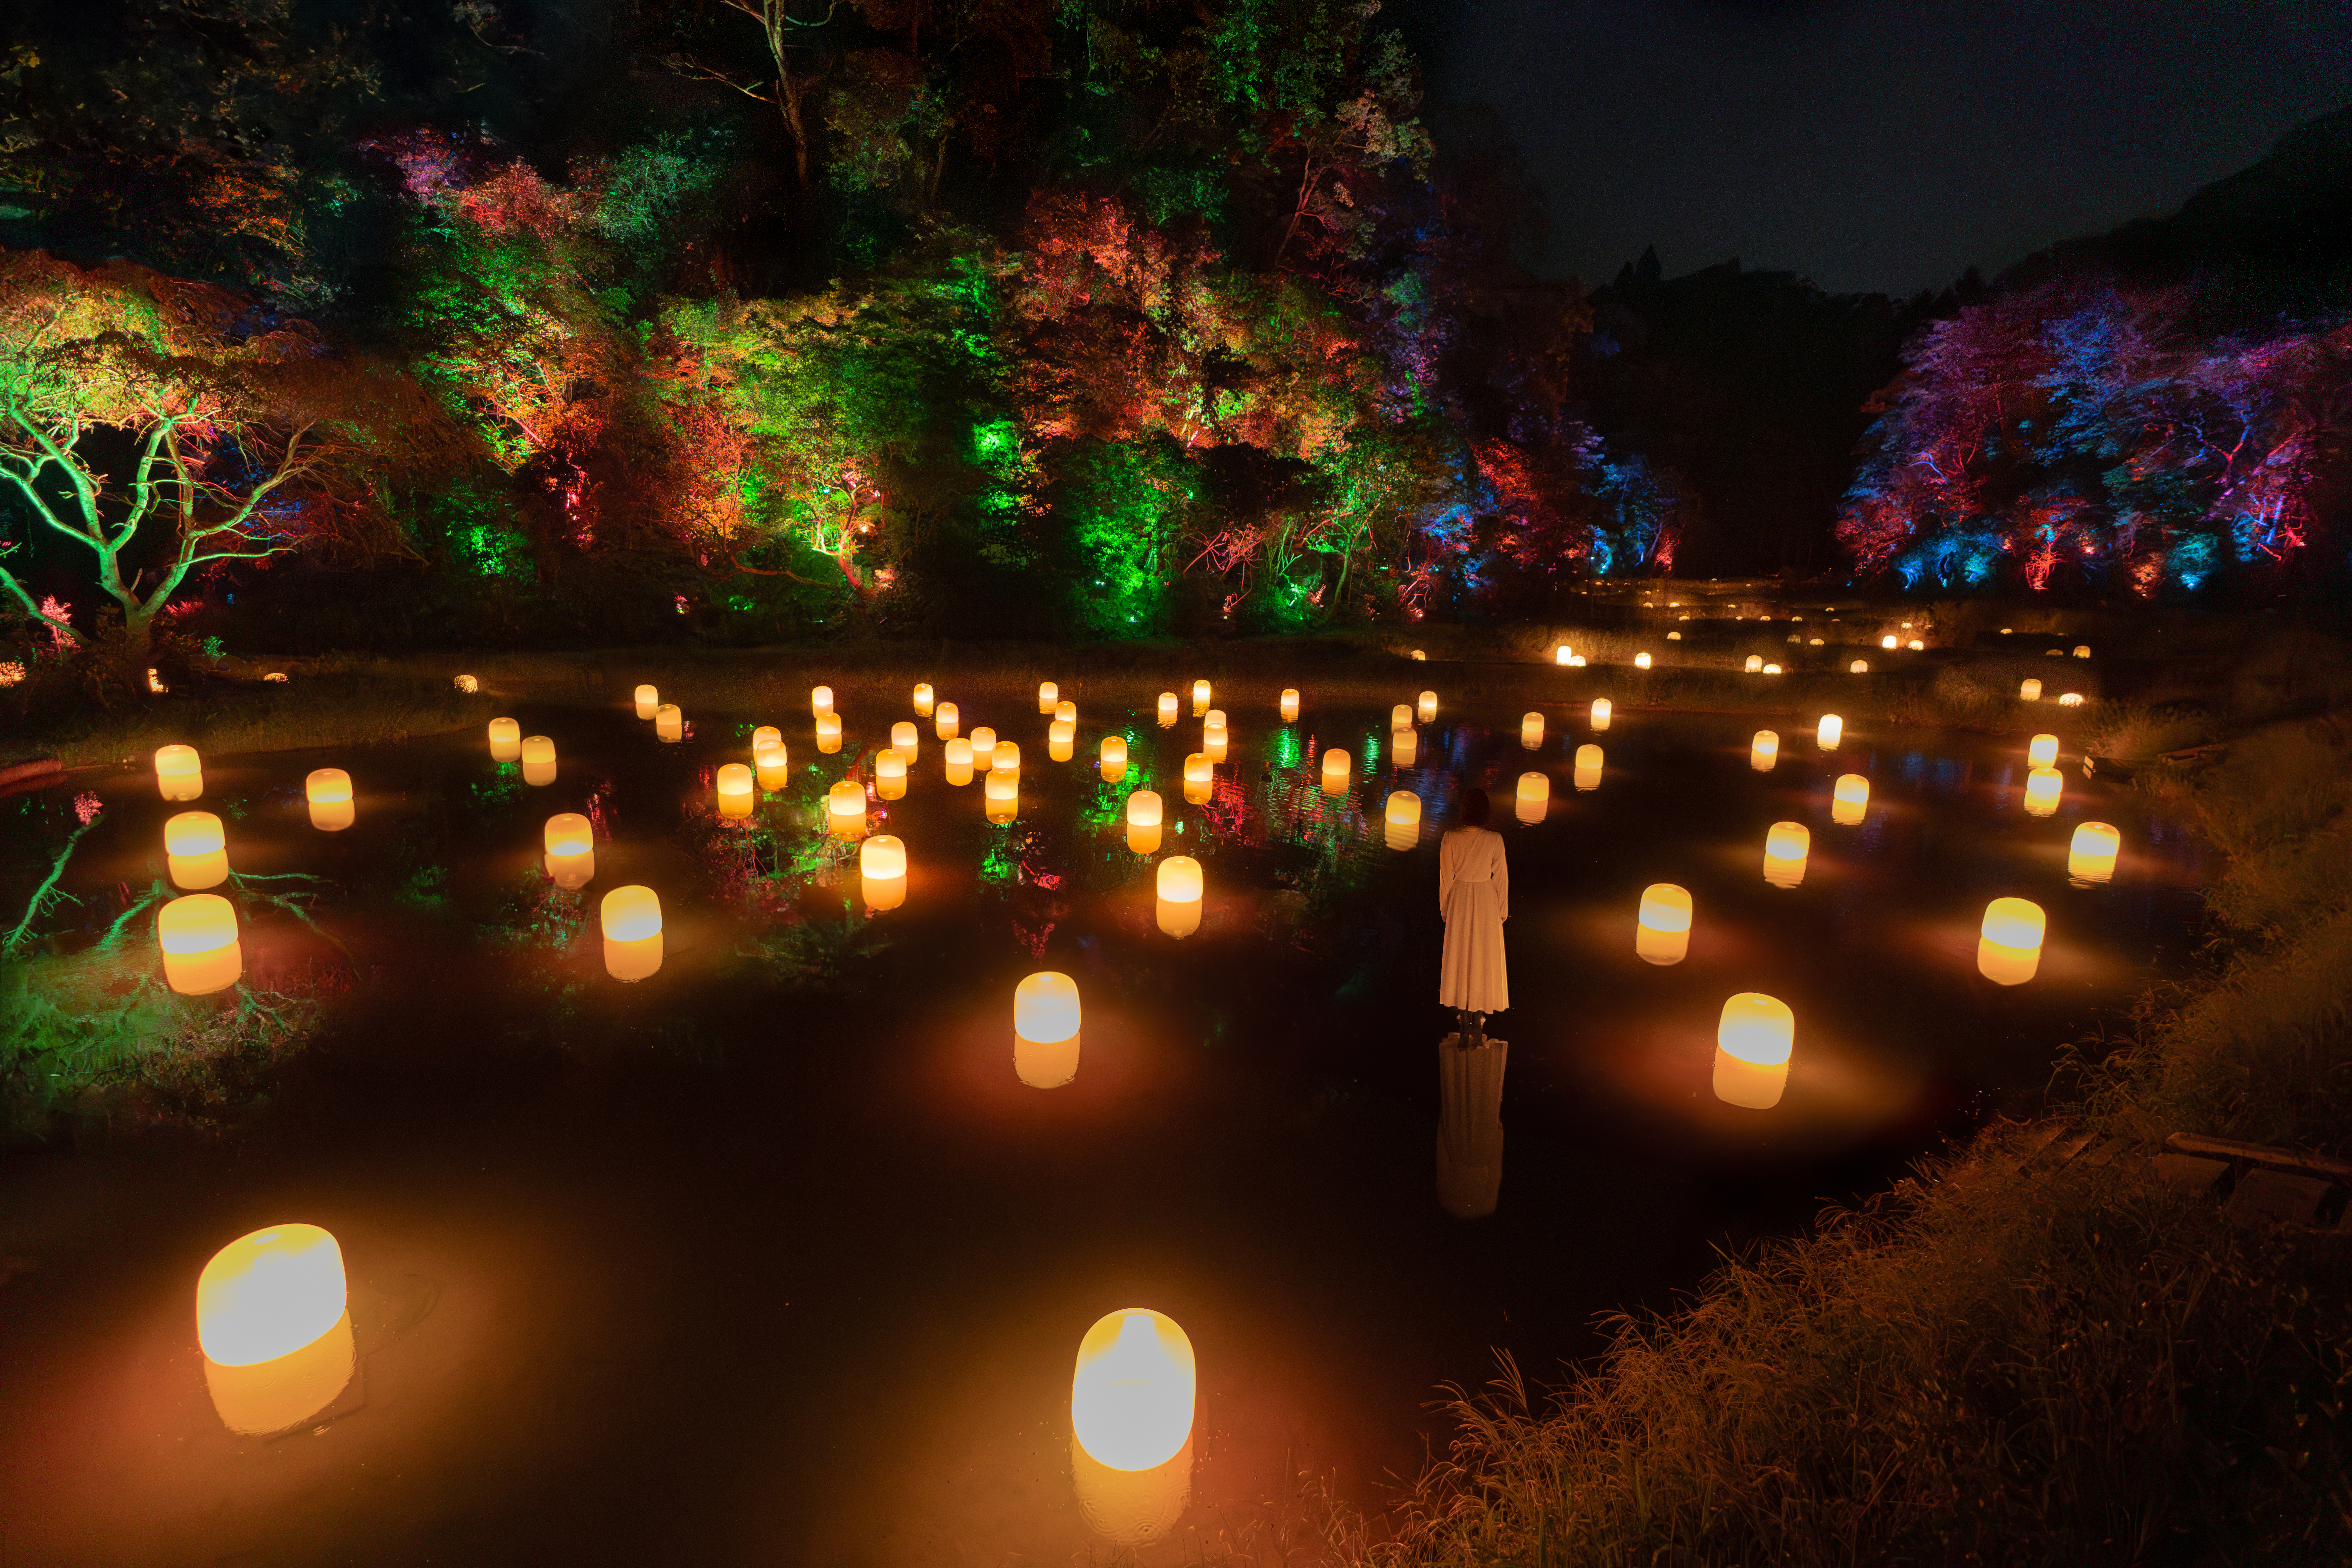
1874	144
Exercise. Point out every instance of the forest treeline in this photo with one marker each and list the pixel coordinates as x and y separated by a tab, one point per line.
1069	317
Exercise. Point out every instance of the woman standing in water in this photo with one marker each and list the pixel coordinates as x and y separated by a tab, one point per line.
1474	894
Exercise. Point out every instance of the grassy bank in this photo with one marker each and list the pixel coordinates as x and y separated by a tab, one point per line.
2012	1357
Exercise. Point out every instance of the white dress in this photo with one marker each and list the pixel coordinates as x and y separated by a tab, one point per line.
1474	894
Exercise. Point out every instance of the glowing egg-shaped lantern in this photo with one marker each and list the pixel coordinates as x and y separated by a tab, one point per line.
1178	885
2053	653
1062	739
1662	931
1045	1029
2042	752
1562	654
959	762
1531	732
1335	768
828	732
1114	758
845	809
1534	797
769	765
1212	741
1131	1400
669	723
2070	699
1753	1043
1576	662
1849	799
273	1322
648	700
1200	698
538	761
905	740
1828	732
631	919
570	855
765	736
1672	636
1755	662
1001	794
924	700
1405	747
733	786
1400	716
1199	777
1166	709
1772	669
2083	650
1402	820
983	748
179	772
1640	661
1764	751
1048	694
2009	944
1005	757
1601	710
882	871
2091	856
1428	707
1916	646
1066	711
467	685
195	850
1889	642
890	773
2029	689
1859	667
1419	656
1588	767
1143	812
1786	847
329	792
1290	704
1814	642
2042	788
820	702
945	721
198	936
506	740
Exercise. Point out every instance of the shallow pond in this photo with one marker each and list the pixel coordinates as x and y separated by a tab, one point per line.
771	1258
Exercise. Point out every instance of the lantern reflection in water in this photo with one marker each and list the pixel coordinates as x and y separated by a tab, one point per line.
201	950
2042	752
1289	703
1045	1029
1199	778
1662	930
828	732
924	700
506	739
648	699
632	921
1114	758
890	773
2008	944
1335	772
1752	1047
882	871
1786	847
945	721
1588	767
1131	1404
1602	711
1534	797
195	850
959	762
570	844
1001	794
1531	733
1166	709
1213	742
1178	887
273	1324
906	741
2091	856
845	809
329	792
1143	822
538	761
2042	788
179	772
1403	820
1849	800
1764	751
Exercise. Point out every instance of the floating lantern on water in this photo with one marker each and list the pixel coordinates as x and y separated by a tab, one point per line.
631	919
1114	758
905	740
1859	667
959	762
924	700
198	936
273	1322
1916	646
1531	732
2042	788
1640	661
1336	764
820	701
1212	741
1001	794
179	772
570	849
1066	711
983	748
882	871
1045	1029
1200	698
1290	704
1764	751
944	722
669	723
828	732
2042	752
329	792
1576	662
1662	931
1562	654
1143	822
1588	767
1005	757
1419	656
195	850
1178	887
2091	857
1534	797
2009	945
1405	747
1131	1412
2083	650
768	765
2029	690
845	809
1772	669
890	773
1755	662
1752	1047
1812	642
1602	709
1200	775
1048	694
733	786
765	736
538	761
1403	820
1849	800
2070	699
1889	643
1428	707
648	700
506	740
1400	716
1785	845
1166	709
1828	730
1062	739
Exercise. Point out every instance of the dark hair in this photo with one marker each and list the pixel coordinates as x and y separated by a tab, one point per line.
1475	808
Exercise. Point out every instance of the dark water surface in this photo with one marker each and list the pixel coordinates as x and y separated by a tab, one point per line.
771	1260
